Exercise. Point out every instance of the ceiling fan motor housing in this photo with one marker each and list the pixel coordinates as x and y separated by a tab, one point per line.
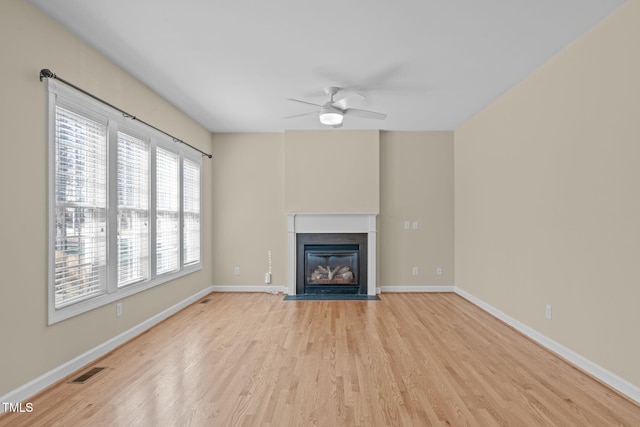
327	109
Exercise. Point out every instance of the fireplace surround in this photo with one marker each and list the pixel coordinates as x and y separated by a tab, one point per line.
329	230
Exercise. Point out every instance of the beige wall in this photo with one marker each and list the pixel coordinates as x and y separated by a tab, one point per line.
546	197
29	41
412	180
332	171
416	184
249	218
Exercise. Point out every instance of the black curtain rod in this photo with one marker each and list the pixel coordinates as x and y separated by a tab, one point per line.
48	74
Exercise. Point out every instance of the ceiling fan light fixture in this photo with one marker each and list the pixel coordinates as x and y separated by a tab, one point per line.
330	116
331	119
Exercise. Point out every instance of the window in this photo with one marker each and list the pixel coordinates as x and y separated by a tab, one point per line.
167	219
133	209
124	205
191	211
80	256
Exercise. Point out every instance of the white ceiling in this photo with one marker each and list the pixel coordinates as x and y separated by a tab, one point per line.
428	64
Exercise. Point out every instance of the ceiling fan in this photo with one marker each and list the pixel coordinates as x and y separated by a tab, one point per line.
332	112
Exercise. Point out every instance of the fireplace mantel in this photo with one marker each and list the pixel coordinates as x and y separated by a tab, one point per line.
333	223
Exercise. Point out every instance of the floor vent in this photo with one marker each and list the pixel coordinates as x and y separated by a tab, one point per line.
206	300
87	376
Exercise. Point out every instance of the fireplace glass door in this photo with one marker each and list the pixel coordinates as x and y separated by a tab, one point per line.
331	268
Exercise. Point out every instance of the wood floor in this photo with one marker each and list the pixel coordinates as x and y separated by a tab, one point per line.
256	360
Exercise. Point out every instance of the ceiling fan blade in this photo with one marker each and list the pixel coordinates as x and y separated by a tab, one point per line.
300	115
339	125
365	114
348	101
304	102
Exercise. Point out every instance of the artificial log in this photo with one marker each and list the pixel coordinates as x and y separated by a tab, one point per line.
339	274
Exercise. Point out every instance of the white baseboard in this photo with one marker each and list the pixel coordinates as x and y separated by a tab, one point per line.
416	288
33	387
258	288
621	385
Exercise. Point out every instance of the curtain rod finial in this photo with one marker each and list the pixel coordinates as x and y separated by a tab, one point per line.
46	73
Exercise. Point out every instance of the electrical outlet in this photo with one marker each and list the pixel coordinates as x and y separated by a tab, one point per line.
416	271
407	225
548	311
416	225
119	309
439	271
236	271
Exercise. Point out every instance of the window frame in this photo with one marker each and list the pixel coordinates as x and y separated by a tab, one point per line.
79	103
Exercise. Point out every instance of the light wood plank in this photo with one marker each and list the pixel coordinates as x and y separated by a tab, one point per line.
256	360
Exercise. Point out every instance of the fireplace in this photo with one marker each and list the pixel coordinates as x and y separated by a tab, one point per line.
331	263
332	253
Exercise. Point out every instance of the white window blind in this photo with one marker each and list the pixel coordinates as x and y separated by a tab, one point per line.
80	207
167	212
133	209
191	211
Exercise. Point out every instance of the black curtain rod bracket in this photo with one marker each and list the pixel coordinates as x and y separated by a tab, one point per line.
48	74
